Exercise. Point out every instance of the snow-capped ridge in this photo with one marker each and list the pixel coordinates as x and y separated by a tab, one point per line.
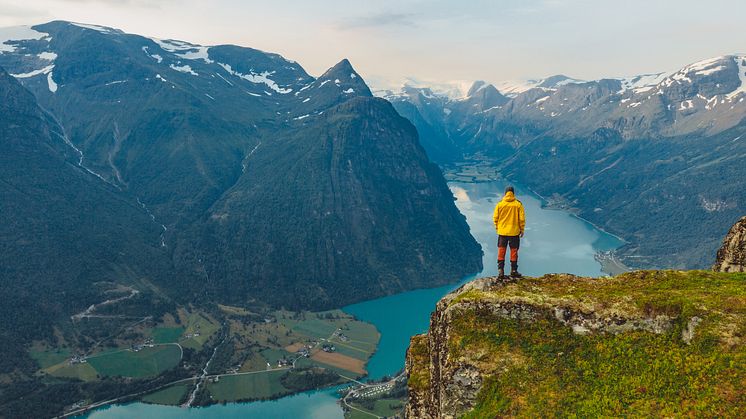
512	88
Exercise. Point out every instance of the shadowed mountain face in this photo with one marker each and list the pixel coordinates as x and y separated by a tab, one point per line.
228	167
63	229
655	158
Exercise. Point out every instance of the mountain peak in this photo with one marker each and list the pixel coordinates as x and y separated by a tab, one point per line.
344	76
342	68
557	80
487	95
477	86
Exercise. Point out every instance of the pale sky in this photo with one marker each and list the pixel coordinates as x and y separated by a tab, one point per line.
389	40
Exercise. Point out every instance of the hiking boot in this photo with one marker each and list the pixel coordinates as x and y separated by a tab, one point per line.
501	273
515	274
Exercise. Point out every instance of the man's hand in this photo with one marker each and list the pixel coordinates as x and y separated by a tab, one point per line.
521	234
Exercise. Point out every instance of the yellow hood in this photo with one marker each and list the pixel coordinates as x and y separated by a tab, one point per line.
509	197
509	217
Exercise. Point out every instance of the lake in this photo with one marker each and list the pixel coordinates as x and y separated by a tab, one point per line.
555	241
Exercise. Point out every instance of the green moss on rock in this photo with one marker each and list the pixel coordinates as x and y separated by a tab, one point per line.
642	344
419	357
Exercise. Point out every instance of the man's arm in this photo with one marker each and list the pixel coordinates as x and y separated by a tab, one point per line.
496	216
522	219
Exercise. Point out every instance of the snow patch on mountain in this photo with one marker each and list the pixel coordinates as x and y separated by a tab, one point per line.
17	33
704	67
261	78
34	73
51	83
49	56
156	57
46	70
173	45
184	69
185	50
641	83
102	29
199	53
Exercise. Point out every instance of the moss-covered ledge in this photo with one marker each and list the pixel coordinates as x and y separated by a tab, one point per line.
647	343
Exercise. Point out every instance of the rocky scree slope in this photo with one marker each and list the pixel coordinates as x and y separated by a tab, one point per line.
642	344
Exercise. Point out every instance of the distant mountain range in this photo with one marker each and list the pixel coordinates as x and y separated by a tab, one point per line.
207	174
654	158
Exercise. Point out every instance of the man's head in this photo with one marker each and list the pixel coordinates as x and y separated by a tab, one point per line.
509	189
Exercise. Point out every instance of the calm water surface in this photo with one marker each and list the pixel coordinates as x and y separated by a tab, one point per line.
555	241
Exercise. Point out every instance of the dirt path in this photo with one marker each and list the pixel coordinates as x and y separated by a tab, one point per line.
89	311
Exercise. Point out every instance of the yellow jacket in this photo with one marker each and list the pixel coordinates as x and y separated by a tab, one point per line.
509	217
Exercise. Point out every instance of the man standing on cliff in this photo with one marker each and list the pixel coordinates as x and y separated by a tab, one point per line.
510	223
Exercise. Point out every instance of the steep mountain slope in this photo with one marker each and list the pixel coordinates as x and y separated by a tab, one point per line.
653	158
267	183
65	232
321	213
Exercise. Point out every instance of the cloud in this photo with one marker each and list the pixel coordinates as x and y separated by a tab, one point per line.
13	14
145	4
13	10
386	19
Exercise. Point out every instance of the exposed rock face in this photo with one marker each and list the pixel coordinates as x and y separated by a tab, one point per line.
567	344
732	255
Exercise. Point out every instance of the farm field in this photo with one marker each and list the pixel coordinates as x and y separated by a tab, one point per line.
381	407
169	396
262	385
46	359
148	362
278	338
199	328
283	335
340	361
83	372
167	334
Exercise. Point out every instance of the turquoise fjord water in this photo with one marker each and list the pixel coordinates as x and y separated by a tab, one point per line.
555	241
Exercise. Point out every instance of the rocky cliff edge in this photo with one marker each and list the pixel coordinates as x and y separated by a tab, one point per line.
732	255
647	343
